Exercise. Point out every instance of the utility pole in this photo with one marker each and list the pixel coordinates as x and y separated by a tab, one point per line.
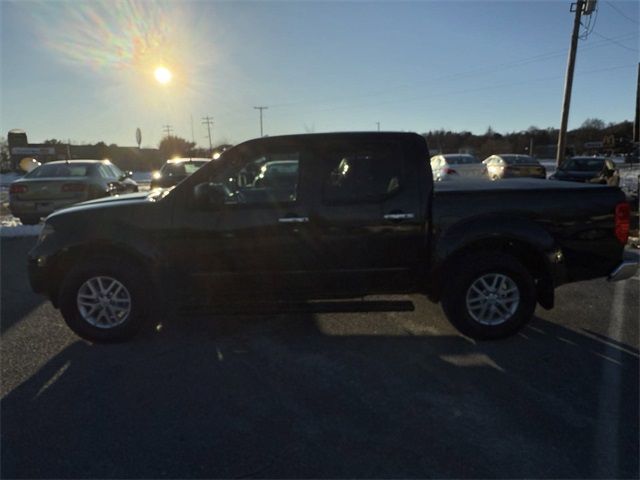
636	122
208	121
378	123
568	81
168	130
261	109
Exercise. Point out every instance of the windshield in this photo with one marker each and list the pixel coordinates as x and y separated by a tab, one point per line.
461	159
61	170
589	164
518	159
181	168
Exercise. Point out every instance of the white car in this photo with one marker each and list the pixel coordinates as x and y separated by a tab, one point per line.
457	165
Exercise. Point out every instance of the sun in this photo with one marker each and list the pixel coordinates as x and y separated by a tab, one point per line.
163	75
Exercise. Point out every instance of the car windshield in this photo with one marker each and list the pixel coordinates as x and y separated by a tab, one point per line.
116	171
517	159
61	170
182	168
588	164
461	159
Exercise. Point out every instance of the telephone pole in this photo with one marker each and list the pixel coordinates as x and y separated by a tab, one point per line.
208	121
261	109
378	123
168	130
636	122
568	80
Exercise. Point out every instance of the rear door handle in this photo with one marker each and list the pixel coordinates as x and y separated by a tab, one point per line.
399	216
293	220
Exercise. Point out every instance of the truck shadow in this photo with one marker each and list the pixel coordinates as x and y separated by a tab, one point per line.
301	395
14	281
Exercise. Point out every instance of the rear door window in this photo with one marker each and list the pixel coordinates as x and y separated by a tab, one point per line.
368	174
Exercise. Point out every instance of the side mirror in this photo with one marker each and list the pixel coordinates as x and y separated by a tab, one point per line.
209	196
126	174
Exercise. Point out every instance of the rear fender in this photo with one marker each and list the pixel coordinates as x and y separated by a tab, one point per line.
517	236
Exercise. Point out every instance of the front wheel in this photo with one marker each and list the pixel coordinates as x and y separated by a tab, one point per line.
103	300
489	297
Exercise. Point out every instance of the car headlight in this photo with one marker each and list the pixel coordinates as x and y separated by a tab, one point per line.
46	231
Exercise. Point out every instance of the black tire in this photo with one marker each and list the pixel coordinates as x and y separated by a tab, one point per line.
136	287
457	290
30	220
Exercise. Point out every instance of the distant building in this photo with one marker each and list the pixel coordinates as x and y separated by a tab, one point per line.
127	158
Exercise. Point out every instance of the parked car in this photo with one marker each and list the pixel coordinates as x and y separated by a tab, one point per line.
630	183
55	185
457	165
176	170
583	169
513	165
364	218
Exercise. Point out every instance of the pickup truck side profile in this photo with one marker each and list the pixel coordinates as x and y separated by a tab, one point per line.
351	214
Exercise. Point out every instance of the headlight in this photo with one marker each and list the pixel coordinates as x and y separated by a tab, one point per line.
46	231
156	175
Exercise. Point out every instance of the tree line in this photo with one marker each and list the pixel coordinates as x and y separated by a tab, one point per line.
615	138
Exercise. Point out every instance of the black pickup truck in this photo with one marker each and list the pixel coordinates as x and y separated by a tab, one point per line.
328	216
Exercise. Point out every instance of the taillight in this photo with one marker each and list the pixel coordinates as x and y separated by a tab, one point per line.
450	171
17	188
73	187
623	213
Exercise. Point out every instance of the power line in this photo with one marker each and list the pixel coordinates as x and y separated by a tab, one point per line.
494	86
261	108
494	68
614	42
208	121
622	13
168	130
591	24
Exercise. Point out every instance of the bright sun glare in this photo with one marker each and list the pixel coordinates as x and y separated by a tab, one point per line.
163	75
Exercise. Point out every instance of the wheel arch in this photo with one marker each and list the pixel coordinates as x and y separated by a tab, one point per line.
72	256
532	258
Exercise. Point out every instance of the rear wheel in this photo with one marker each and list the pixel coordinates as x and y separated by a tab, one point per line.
489	297
29	220
103	300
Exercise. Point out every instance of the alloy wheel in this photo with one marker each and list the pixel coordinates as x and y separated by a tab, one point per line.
492	299
104	302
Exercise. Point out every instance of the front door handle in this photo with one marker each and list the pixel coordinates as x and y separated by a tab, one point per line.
399	216
293	220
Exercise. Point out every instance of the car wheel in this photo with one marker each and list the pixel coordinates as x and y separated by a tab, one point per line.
489	297
104	300
29	220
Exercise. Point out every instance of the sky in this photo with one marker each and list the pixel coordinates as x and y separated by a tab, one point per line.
84	70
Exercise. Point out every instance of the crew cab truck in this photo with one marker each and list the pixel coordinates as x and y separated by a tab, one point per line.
354	214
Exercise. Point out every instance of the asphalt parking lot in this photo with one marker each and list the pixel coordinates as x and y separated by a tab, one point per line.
378	388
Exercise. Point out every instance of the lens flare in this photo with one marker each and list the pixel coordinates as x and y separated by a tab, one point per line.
163	75
117	47
124	41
